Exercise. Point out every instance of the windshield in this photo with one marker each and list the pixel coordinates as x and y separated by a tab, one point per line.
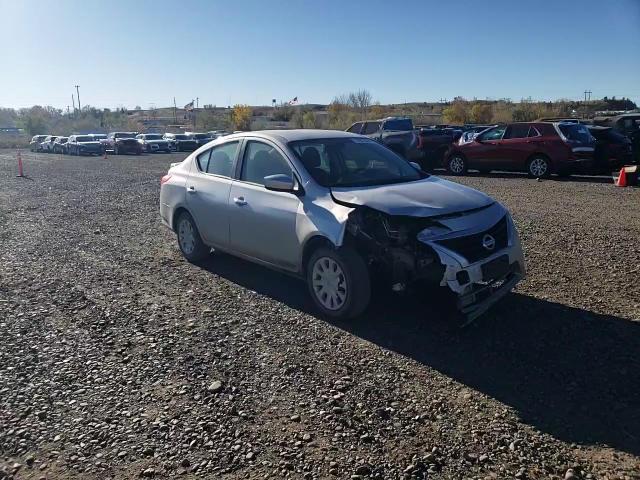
182	137
85	139
201	136
98	136
153	137
124	135
62	140
352	162
400	124
576	132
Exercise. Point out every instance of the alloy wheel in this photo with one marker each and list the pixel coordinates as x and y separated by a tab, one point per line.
538	167
456	165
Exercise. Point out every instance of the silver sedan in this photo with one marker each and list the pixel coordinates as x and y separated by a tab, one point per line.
335	208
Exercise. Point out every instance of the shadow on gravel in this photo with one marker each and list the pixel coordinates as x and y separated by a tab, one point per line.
568	372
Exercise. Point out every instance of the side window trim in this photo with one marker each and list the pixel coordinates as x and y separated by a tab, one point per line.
533	129
241	158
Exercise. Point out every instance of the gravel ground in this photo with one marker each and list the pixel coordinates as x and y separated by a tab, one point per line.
118	359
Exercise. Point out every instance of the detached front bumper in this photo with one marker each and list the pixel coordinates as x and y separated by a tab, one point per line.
482	283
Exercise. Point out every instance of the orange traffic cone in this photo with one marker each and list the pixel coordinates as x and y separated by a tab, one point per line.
622	178
20	172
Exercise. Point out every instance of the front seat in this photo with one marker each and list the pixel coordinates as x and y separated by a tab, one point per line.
312	161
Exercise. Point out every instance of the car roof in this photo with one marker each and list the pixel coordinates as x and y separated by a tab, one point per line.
294	135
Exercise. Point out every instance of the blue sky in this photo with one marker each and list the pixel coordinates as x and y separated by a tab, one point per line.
142	52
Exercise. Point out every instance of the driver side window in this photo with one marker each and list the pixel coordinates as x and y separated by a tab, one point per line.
493	134
262	160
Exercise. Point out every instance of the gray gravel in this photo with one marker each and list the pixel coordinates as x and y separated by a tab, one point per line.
118	359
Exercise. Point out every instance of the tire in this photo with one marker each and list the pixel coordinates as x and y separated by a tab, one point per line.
539	166
457	164
115	150
189	240
346	272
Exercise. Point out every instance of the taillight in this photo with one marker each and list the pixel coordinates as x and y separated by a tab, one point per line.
165	179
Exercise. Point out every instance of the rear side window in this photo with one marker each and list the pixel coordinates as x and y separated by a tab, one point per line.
262	160
404	124
371	127
517	131
218	160
355	128
575	132
533	132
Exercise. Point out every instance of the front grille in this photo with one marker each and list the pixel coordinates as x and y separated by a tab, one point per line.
471	247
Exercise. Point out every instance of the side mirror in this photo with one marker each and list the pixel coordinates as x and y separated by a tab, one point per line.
415	165
279	183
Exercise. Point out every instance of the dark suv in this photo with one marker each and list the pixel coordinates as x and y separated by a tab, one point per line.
538	148
395	133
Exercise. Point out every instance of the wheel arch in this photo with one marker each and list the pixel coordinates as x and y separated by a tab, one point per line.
310	246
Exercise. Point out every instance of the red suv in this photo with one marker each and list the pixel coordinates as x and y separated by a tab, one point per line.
538	148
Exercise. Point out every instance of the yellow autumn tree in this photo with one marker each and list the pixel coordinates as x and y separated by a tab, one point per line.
241	117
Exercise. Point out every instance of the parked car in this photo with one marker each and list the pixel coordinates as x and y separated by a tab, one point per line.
99	136
538	148
181	142
84	145
434	143
46	145
627	124
153	142
396	133
201	138
36	140
60	145
122	143
335	208
612	149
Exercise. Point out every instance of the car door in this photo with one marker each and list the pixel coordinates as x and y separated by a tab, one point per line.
372	130
483	151
515	147
208	186
263	222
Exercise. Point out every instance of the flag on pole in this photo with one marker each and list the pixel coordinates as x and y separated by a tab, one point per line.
293	101
189	106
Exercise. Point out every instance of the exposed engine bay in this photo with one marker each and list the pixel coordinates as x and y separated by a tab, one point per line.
391	242
474	253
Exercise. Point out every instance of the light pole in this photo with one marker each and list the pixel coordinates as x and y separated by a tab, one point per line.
78	92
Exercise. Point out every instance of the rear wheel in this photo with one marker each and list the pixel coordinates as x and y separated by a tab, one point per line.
539	167
338	282
457	164
189	240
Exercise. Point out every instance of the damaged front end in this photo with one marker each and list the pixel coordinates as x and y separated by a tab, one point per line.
475	253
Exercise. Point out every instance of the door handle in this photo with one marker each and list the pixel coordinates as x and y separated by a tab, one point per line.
239	201
191	189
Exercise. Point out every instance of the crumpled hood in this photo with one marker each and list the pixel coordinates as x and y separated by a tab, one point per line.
423	198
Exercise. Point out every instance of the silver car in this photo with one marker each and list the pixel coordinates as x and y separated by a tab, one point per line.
336	208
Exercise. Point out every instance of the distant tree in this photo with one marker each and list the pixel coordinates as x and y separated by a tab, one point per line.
481	113
309	120
283	112
241	117
457	112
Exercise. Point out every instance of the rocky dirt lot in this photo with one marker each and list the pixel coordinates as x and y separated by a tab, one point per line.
118	359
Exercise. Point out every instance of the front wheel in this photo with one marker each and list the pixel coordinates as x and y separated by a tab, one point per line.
189	241
338	281
539	167
457	164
